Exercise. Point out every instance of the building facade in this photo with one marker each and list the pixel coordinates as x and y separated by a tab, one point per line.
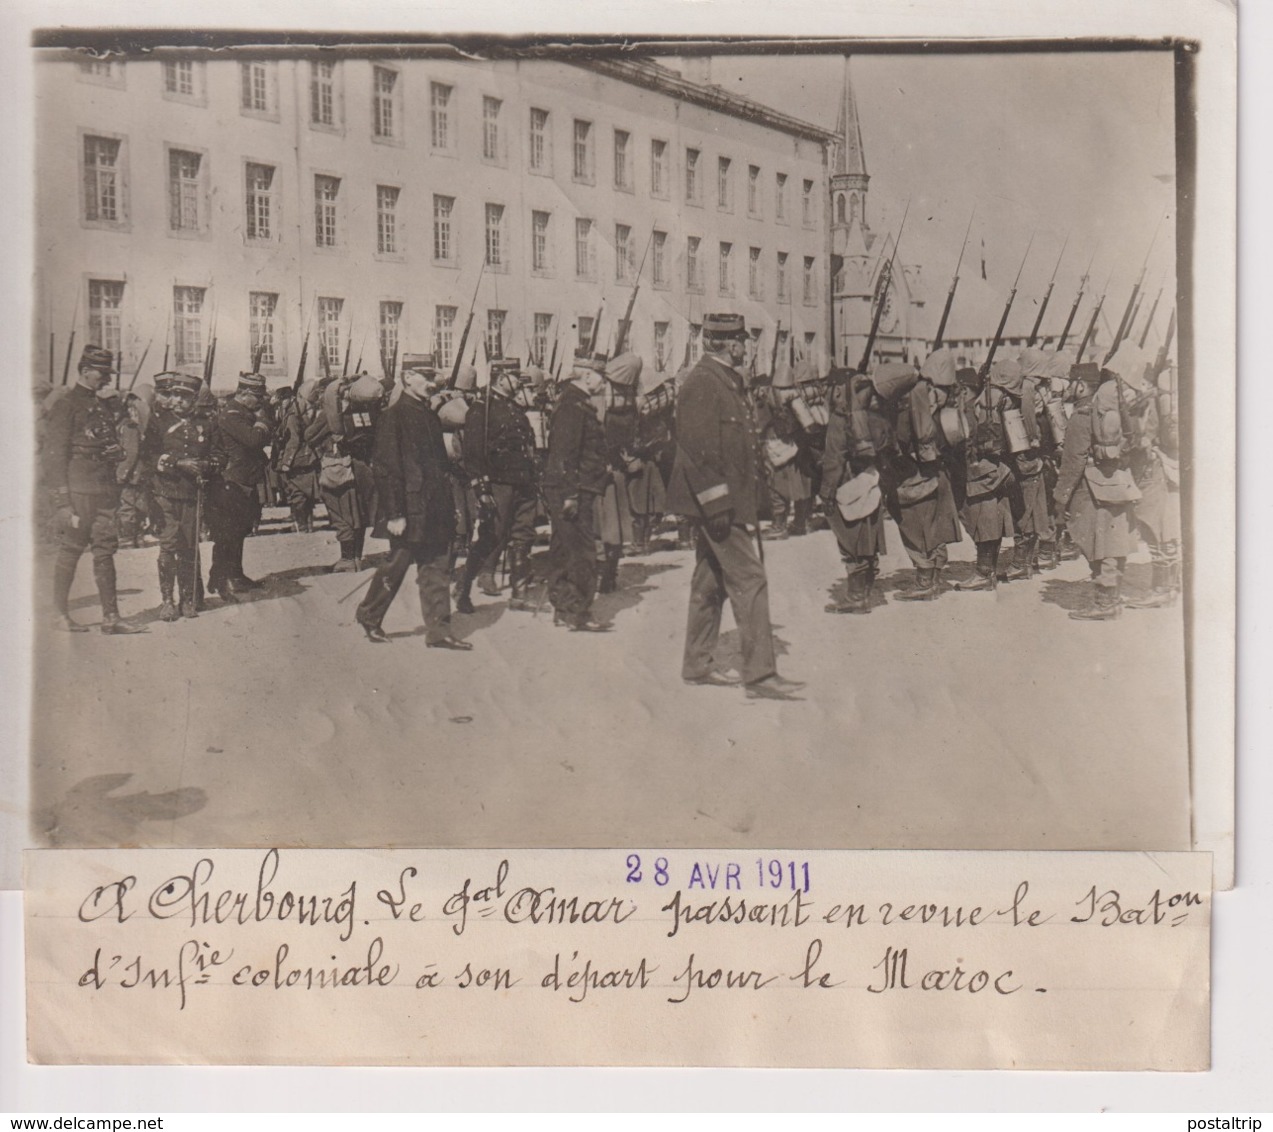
356	206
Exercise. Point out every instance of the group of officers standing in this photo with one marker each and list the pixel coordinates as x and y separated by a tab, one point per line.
1036	449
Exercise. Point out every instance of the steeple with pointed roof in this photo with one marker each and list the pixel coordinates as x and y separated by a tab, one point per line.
849	178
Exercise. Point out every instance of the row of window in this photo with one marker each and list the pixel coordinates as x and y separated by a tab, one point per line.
332	338
258	87
188	213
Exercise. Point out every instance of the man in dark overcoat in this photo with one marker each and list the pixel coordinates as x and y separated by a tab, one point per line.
414	511
239	441
716	483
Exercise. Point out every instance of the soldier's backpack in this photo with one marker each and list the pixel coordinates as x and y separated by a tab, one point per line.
1107	423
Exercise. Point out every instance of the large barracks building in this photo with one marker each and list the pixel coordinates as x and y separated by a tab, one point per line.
366	200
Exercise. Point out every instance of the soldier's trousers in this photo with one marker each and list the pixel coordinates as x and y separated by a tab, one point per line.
232	513
134	509
572	581
432	560
301	486
513	522
934	560
97	530
729	568
350	507
1108	572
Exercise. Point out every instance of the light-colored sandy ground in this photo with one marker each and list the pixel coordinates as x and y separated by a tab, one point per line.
976	721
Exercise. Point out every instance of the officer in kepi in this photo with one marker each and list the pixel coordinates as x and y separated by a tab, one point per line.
80	454
716	482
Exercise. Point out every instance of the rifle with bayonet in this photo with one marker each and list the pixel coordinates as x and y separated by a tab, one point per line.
984	372
1091	326
596	327
1043	306
621	338
137	371
1153	310
70	342
300	365
1077	300
1125	323
468	325
882	294
950	295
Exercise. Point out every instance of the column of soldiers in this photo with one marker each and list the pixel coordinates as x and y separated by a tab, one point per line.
1034	450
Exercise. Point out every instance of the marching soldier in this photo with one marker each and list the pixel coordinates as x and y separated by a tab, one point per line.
716	482
1095	490
647	489
1017	384
618	425
790	482
240	437
80	452
920	497
178	454
499	457
574	479
298	459
414	511
981	481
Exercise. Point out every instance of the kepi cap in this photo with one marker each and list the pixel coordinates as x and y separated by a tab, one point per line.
95	357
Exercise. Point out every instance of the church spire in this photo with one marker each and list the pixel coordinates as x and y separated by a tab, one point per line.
850	156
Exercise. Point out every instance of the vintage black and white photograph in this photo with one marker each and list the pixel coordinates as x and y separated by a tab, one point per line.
780	444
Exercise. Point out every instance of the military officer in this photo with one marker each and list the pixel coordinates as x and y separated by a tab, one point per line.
80	452
716	482
414	511
499	457
178	456
241	434
574	479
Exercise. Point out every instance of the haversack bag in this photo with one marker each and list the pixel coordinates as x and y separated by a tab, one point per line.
336	471
1115	486
860	496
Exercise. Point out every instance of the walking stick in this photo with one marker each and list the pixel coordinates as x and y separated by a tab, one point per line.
195	562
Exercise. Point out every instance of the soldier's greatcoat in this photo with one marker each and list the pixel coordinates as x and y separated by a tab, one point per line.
1099	530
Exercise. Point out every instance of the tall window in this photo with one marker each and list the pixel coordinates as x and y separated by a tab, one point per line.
755	287
387	220
262	308
784	293
585	262
691	175
443	244
329	310
440	116
540	141
810	286
259	200
622	160
102	179
495	334
583	151
780	196
661	349
539	246
179	78
726	268
322	93
254	88
492	143
326	196
390	318
753	190
624	253
494	235
105	329
658	254
187	325
724	184
658	168
693	269
539	339
444	335
384	117
806	203
184	190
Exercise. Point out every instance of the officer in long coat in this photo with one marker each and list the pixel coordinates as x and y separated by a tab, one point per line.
716	482
178	456
575	476
241	435
619	427
499	458
79	455
414	511
1095	493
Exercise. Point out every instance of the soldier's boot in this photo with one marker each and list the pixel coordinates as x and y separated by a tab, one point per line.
1047	554
984	579
347	563
487	584
464	587
167	579
608	579
640	535
1068	552
360	541
112	624
1161	594
188	585
1022	566
926	586
520	578
63	576
800	517
857	594
1105	606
